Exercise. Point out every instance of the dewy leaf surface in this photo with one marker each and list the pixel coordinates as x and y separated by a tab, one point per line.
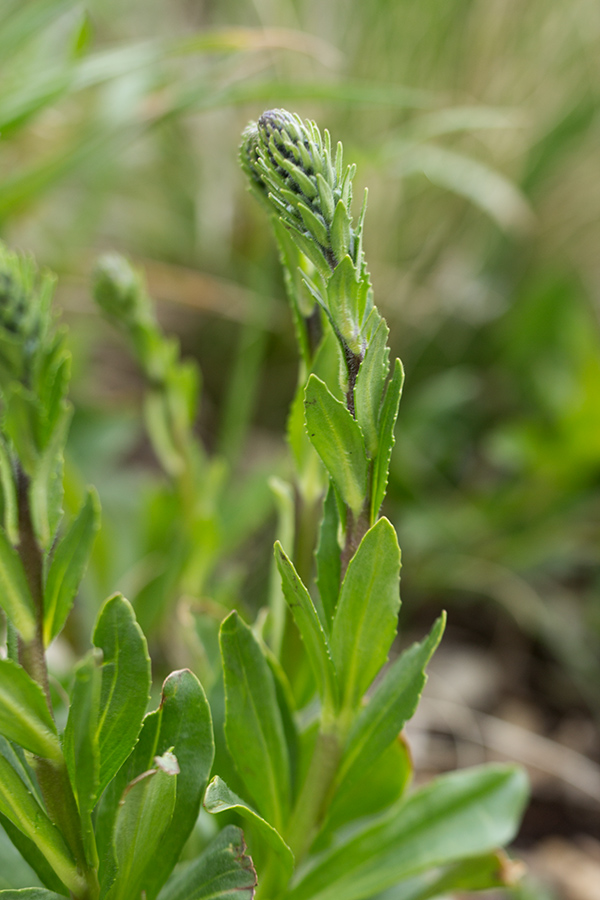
367	613
455	817
222	872
337	438
24	714
253	726
125	684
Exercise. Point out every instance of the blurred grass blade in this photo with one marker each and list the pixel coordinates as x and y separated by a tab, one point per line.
494	194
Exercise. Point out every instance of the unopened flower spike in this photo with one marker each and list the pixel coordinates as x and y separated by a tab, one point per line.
25	317
291	168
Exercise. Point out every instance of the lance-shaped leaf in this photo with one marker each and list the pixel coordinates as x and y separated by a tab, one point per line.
480	873
253	726
392	704
10	513
343	292
380	787
370	382
183	721
19	805
309	625
338	440
30	894
367	613
33	856
80	743
220	798
387	423
453	818
328	558
68	565
24	714
28	849
143	818
125	684
222	872
15	596
46	488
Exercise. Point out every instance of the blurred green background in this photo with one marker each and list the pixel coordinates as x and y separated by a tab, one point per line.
475	124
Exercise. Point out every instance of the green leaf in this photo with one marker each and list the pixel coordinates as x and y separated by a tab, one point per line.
125	684
19	805
480	873
68	565
24	714
310	628
22	413
387	423
183	723
15	596
343	290
157	418
340	231
338	440
27	847
253	726
220	798
30	852
370	382
10	513
453	818
46	488
30	894
367	613
222	872
80	743
379	786
391	705
143	818
329	561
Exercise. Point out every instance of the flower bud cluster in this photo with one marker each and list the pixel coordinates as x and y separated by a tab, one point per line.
291	163
291	168
25	316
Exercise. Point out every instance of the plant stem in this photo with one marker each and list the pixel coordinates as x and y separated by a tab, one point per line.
310	806
31	654
53	779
